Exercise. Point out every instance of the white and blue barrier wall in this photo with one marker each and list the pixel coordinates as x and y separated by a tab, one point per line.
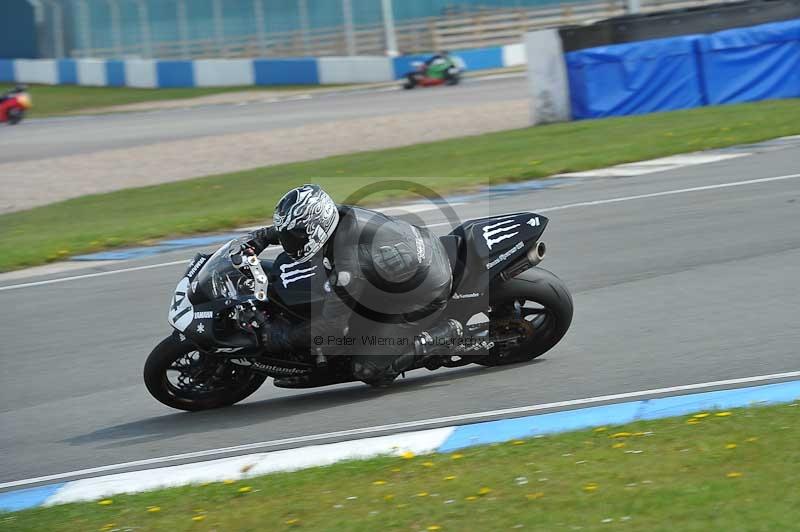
153	73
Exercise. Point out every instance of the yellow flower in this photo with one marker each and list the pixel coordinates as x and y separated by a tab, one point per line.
153	509
427	464
723	414
700	415
433	528
752	439
379	483
618	445
517	442
734	474
600	429
293	521
408	455
472	498
109	526
228	481
450	477
484	491
422	494
105	502
621	435
693	421
388	497
730	446
198	518
457	456
245	489
590	487
396	470
639	433
534	496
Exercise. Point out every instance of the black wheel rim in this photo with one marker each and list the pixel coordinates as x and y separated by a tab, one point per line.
197	375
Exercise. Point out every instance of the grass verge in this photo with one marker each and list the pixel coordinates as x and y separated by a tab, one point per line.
732	470
53	100
211	203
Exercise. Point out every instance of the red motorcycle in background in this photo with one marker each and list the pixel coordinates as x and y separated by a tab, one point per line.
14	104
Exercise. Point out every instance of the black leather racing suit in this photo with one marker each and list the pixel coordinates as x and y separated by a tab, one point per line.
389	279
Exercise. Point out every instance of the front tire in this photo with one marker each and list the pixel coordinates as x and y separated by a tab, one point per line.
15	116
180	376
546	305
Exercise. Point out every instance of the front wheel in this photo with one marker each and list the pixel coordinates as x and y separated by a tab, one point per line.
535	306
180	376
15	116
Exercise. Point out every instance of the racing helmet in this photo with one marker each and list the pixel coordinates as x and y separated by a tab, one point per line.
305	219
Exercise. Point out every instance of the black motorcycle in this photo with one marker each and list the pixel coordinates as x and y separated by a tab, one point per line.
513	311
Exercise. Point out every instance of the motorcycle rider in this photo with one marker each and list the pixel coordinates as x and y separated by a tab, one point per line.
438	66
373	263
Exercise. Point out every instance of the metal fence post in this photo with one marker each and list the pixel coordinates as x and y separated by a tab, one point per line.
183	28
633	6
258	11
57	23
85	23
388	28
349	28
302	6
116	27
144	28
219	30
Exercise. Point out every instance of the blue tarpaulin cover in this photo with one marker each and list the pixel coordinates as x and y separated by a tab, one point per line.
750	64
738	65
634	78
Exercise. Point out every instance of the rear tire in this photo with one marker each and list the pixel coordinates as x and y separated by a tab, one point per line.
242	382
547	291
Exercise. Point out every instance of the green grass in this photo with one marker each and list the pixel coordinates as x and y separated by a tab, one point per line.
49	100
734	472
97	222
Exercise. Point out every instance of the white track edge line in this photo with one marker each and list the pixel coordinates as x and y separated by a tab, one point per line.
400	426
546	209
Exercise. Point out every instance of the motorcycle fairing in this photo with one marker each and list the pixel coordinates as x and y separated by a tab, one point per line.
298	287
489	245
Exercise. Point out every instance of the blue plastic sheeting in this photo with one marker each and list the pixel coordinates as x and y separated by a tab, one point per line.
635	78
175	73
115	73
67	72
750	64
6	70
286	71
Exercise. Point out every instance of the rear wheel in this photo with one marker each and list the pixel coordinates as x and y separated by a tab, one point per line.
536	306
180	376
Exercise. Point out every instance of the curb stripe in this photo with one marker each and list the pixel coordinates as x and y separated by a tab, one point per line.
440	440
617	414
28	498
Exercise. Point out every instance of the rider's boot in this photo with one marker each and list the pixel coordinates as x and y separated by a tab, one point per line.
437	340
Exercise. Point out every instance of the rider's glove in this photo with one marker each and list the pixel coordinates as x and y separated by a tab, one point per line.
239	255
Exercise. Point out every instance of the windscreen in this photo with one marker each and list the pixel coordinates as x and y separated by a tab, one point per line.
219	279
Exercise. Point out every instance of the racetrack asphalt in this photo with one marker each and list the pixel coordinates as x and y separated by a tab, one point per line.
689	287
53	137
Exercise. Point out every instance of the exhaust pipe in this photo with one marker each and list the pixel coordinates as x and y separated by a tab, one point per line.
531	259
536	254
